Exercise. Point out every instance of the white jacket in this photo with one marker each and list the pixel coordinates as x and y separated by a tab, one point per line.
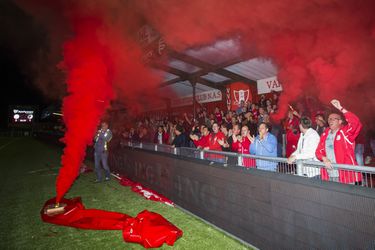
306	148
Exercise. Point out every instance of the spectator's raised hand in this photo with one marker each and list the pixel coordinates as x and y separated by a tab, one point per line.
234	137
296	113
230	132
221	142
252	138
194	137
336	104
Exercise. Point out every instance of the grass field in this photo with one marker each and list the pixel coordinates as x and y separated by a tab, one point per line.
28	172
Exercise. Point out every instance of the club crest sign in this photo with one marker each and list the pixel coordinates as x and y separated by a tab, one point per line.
241	95
236	93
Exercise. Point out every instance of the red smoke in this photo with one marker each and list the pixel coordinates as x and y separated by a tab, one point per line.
99	57
321	47
89	85
324	48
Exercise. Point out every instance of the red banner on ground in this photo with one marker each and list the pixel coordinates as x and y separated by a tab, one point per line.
145	192
148	229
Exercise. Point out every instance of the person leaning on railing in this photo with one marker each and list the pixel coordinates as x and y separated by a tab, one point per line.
306	147
265	144
161	136
241	144
202	141
213	143
181	139
337	145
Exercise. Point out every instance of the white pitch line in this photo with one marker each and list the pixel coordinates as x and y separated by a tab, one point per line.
42	169
6	144
119	178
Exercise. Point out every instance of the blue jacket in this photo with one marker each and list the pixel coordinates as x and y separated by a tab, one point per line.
266	147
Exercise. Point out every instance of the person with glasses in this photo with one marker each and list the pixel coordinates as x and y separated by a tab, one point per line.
337	145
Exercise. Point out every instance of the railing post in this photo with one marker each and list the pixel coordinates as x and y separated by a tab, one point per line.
239	160
201	154
156	147
175	150
299	165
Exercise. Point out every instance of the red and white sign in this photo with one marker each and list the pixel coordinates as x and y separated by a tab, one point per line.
268	85
203	97
241	95
236	93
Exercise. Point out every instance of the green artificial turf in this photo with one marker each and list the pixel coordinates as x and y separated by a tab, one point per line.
28	172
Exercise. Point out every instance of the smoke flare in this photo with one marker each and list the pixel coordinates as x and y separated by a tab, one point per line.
323	48
89	79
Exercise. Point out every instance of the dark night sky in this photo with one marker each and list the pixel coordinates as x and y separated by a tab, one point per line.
19	40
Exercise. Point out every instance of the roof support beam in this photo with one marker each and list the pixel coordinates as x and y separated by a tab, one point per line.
208	67
174	71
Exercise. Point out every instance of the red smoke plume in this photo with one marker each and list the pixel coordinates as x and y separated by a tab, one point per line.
89	85
324	48
100	57
321	47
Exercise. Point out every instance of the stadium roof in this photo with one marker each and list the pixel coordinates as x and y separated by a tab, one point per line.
210	67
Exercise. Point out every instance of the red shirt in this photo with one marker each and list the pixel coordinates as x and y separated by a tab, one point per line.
213	143
203	141
243	148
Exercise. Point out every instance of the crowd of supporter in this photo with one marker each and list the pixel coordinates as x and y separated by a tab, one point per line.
250	129
149	129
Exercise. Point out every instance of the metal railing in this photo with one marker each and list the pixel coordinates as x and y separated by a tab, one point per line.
349	174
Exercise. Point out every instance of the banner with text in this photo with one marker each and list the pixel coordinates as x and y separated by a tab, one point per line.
268	85
203	97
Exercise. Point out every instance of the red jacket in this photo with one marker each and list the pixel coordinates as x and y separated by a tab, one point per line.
243	148
344	145
291	123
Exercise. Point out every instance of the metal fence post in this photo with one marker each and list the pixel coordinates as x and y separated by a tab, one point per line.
299	165
239	160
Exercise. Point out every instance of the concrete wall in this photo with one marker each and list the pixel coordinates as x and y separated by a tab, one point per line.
268	210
